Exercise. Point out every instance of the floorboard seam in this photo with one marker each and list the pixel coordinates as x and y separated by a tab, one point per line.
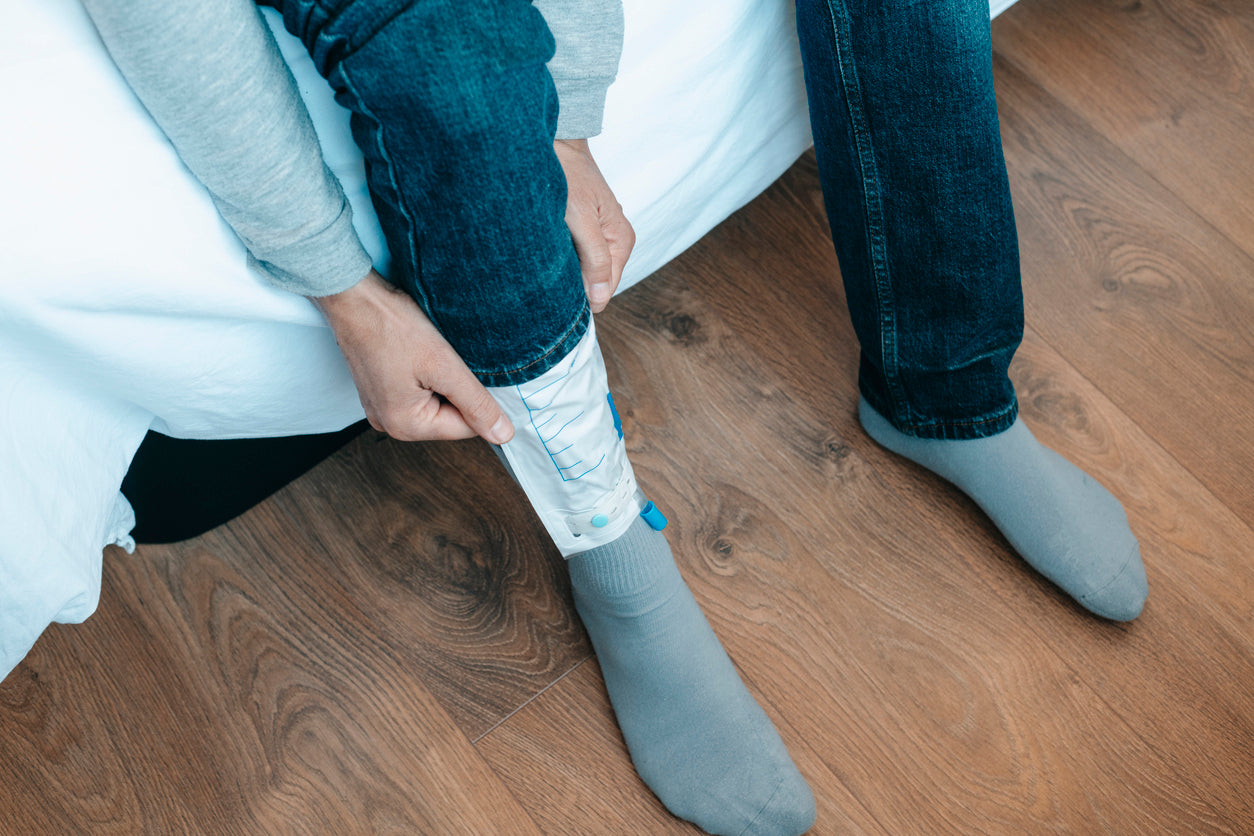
530	700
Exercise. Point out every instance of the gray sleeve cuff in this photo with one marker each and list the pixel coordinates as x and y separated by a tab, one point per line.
581	105
589	36
321	263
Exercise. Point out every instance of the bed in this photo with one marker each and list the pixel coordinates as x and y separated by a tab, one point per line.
128	304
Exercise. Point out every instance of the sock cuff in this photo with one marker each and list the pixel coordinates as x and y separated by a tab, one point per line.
629	564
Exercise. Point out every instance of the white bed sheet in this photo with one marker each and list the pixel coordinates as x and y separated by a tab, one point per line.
128	304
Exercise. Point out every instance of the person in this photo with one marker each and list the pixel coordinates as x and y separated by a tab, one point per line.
504	240
906	135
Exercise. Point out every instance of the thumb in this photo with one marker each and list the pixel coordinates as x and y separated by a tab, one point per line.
477	407
596	261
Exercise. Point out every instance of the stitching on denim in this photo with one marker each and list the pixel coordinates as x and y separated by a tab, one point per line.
869	179
333	11
410	226
1012	409
561	341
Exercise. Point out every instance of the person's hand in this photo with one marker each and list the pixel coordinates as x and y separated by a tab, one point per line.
402	366
603	237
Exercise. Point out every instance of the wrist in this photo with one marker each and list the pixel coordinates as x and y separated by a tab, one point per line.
338	304
579	145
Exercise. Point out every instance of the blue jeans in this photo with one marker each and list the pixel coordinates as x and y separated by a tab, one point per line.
455	114
906	134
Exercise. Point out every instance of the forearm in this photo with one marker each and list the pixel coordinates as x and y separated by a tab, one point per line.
212	78
589	35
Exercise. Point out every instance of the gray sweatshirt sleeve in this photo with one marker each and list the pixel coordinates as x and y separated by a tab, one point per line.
589	35
211	76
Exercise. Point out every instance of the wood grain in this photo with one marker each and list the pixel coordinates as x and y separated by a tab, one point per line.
389	645
276	670
1219	699
451	568
923	675
1169	82
580	780
1137	291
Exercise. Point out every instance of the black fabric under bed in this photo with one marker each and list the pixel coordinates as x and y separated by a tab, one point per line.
180	488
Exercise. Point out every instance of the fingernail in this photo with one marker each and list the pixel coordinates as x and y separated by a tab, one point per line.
501	432
600	294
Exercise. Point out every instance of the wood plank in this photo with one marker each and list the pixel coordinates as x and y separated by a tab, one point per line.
1170	82
1141	295
1220	700
232	683
453	571
565	759
1212	554
1200	617
935	706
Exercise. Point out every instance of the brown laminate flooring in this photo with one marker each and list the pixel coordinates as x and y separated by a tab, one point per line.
389	644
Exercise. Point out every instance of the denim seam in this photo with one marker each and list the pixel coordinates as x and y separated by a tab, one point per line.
913	428
872	201
363	33
410	225
559	343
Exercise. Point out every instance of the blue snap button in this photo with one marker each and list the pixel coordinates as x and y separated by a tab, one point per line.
600	521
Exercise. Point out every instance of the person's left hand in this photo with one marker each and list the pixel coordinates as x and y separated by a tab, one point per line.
602	234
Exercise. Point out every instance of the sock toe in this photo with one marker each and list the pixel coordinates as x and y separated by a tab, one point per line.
789	812
1057	517
1124	597
696	735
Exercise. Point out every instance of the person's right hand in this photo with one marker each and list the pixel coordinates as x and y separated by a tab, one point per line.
411	382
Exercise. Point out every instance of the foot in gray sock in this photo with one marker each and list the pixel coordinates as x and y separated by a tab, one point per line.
1060	520
696	735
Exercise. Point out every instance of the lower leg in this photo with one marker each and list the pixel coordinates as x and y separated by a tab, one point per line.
696	735
906	132
472	201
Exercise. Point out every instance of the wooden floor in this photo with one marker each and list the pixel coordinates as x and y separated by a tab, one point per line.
389	644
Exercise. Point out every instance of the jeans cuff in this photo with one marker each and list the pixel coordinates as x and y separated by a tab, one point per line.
965	429
549	356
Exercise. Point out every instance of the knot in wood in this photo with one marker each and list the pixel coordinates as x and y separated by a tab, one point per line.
683	328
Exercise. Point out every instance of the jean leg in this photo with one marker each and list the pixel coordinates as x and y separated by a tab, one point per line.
455	114
906	134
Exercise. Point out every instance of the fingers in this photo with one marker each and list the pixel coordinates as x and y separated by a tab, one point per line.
444	424
596	259
430	420
621	239
603	237
436	420
402	366
473	405
446	404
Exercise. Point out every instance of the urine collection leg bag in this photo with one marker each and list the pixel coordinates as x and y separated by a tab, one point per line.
568	453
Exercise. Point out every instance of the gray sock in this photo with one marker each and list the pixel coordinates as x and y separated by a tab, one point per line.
696	735
1059	519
